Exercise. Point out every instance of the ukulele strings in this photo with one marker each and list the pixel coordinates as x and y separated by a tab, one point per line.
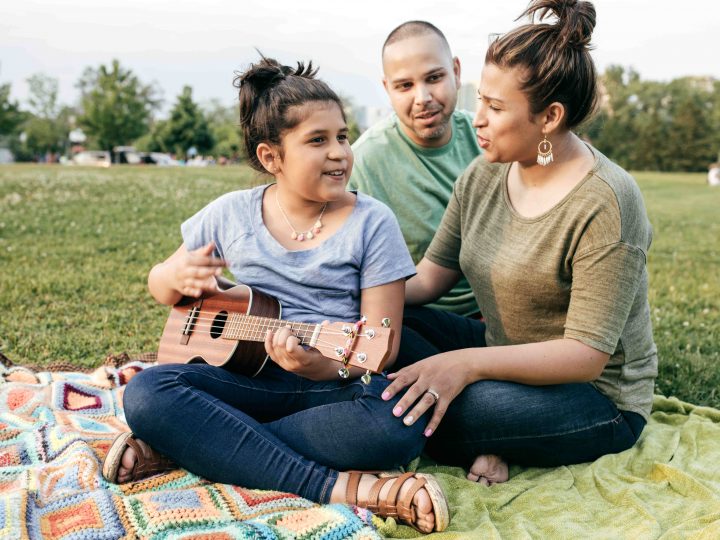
268	325
304	340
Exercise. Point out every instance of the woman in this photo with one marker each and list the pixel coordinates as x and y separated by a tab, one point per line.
553	239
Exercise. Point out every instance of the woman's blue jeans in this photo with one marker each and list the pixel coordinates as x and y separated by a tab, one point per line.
528	425
276	431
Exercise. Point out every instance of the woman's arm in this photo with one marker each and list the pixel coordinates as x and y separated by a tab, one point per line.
185	273
430	283
376	303
550	362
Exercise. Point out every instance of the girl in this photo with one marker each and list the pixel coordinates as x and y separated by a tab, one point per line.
325	253
553	238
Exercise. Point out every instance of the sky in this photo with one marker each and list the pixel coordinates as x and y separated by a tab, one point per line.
202	43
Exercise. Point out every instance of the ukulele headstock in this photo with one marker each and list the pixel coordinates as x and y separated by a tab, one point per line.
370	348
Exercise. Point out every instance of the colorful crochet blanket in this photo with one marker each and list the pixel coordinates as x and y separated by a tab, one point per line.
55	429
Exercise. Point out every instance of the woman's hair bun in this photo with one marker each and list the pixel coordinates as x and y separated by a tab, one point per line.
575	20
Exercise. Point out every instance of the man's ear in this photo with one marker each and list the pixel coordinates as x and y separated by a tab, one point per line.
456	70
385	83
267	156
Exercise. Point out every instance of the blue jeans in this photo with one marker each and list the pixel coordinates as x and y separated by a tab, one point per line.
276	431
529	425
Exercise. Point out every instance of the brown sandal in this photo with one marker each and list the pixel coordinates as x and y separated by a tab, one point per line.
392	506
148	462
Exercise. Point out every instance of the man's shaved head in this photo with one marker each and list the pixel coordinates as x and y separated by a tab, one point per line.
412	29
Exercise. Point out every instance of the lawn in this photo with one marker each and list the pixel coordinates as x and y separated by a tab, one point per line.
76	245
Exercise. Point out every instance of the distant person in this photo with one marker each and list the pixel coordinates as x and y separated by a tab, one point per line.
713	177
300	425
554	239
411	159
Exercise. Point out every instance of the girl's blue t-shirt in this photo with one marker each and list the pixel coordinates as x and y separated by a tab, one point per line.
313	285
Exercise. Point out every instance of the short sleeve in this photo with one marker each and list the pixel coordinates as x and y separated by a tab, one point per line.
445	246
605	283
209	225
385	256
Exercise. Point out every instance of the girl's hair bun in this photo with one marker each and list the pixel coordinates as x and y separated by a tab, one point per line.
268	73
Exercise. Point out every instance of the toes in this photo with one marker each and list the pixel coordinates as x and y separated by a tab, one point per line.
488	470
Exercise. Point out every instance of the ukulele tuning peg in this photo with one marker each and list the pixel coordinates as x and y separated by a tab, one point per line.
366	377
344	372
386	323
362	357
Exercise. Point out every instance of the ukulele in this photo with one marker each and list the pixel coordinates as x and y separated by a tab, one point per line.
227	329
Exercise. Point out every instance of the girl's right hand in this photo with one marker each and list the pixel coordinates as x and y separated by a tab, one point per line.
195	271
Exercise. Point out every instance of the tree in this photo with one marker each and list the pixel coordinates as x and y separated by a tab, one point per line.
223	121
187	126
10	114
116	106
47	127
649	125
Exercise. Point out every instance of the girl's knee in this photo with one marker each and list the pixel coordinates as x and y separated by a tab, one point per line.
143	399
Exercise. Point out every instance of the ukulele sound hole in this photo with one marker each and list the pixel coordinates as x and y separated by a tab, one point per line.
218	324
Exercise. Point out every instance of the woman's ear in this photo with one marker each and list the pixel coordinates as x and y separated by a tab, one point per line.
268	157
553	117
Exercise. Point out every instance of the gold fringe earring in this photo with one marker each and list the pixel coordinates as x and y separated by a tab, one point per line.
545	155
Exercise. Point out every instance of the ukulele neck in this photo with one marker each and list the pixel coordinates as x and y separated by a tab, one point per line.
252	328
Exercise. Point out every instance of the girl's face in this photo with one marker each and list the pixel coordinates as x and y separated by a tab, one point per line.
317	160
506	130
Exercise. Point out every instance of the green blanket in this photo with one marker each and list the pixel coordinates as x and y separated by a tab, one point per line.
667	486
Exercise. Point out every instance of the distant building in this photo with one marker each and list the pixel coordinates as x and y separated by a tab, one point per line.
367	116
467	97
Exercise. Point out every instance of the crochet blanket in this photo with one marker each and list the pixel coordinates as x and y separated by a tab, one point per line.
55	430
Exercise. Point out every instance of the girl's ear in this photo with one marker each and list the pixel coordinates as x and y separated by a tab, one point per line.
268	156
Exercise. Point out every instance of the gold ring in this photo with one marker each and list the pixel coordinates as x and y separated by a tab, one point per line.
433	393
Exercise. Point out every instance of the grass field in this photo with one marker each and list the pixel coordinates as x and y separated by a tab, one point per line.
76	246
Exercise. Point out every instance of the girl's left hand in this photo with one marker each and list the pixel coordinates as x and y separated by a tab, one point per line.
426	379
287	352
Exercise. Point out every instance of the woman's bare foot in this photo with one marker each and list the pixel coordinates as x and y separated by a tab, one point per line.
488	470
421	502
127	464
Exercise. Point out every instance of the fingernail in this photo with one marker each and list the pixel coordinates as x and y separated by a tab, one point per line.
397	411
386	395
428	432
408	420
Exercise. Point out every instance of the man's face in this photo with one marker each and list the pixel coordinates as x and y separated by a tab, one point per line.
422	80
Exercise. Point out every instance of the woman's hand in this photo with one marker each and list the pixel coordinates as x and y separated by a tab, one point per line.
194	271
435	381
287	352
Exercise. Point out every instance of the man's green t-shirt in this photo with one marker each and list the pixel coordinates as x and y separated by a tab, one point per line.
416	183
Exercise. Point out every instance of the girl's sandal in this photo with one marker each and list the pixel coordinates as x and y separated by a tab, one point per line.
392	506
148	462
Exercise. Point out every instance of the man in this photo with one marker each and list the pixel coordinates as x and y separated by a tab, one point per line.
411	160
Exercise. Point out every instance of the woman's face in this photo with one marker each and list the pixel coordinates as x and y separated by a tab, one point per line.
506	130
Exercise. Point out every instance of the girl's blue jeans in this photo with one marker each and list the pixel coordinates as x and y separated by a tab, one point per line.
276	431
529	425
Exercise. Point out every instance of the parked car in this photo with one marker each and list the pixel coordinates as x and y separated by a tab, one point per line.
95	158
159	159
128	155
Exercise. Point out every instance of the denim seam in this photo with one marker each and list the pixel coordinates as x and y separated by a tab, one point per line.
200	396
616	420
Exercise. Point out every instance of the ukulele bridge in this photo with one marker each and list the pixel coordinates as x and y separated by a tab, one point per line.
189	324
